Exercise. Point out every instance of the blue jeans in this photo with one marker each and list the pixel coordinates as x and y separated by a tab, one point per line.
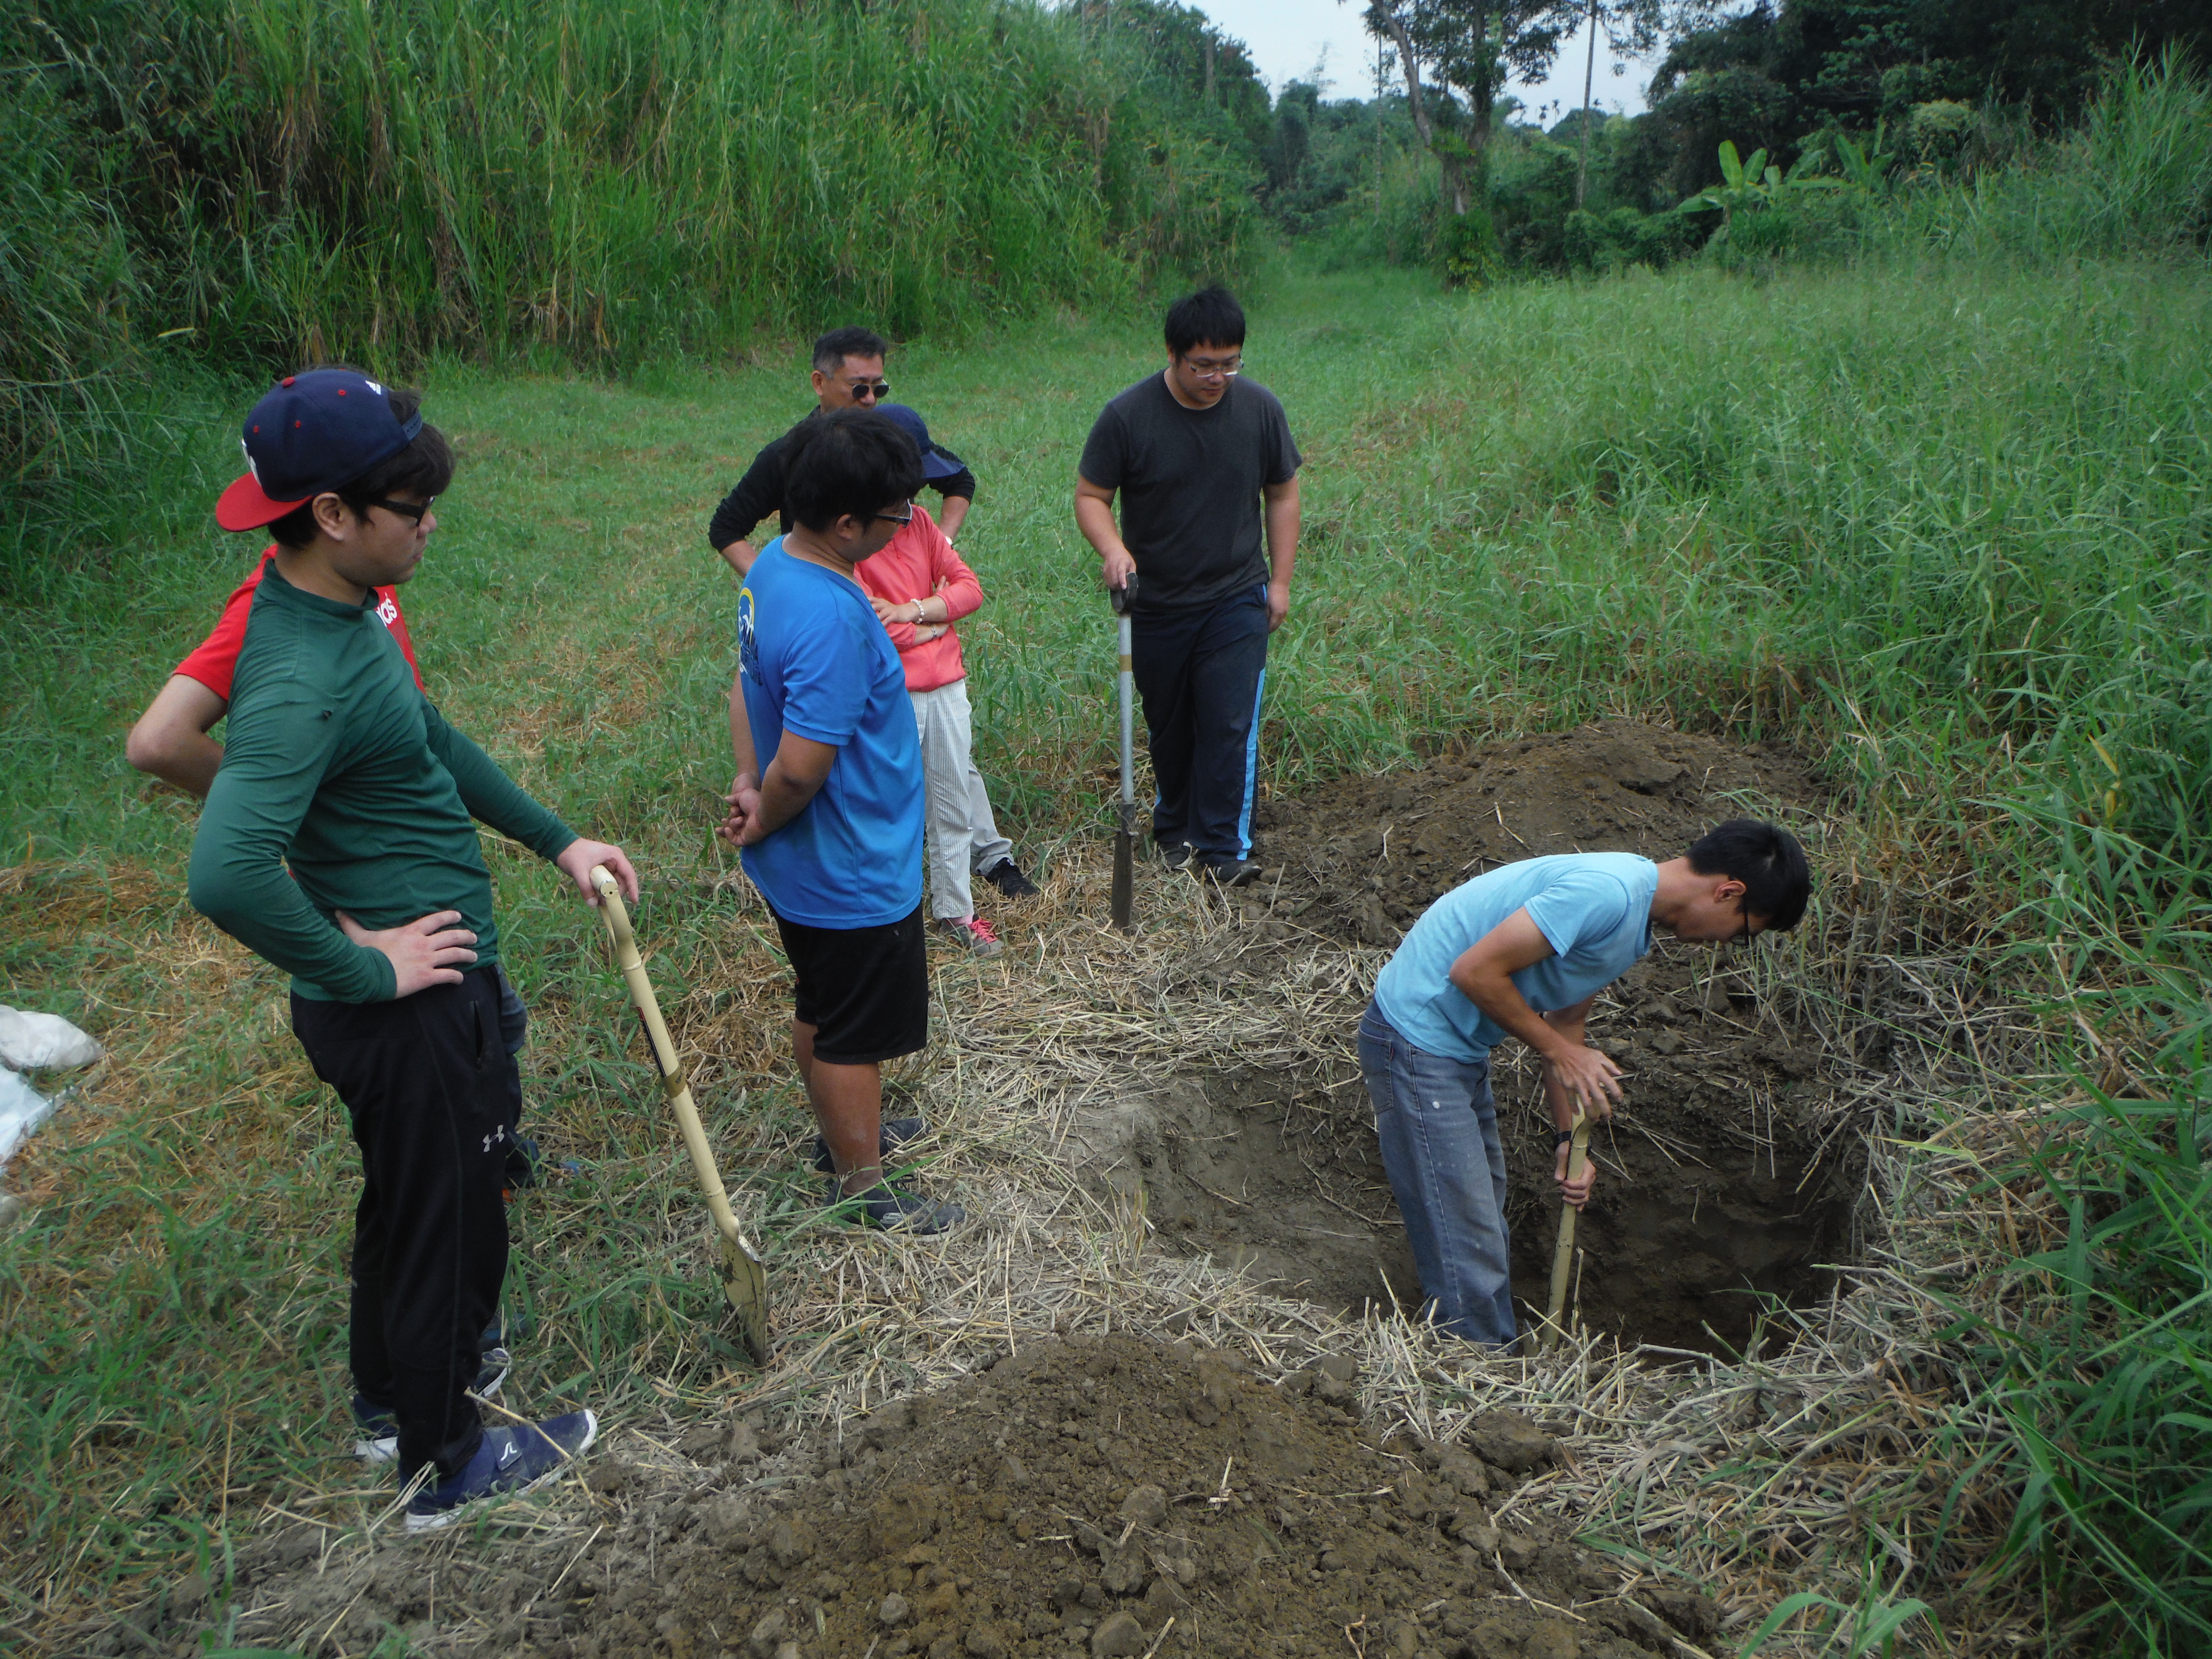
1438	1127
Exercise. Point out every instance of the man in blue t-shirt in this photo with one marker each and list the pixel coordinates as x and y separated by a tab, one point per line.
827	807
1522	951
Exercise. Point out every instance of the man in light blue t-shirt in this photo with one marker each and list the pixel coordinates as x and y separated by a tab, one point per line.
1522	951
826	810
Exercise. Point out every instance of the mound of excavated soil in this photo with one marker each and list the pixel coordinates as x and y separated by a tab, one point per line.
1106	1498
1712	1185
1364	857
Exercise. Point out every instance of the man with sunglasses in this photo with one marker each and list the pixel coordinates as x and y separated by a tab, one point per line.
1522	952
848	373
1204	462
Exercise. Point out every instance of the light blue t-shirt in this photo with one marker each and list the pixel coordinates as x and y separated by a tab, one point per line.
813	659
1593	908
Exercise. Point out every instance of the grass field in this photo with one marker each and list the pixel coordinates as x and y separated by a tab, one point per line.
1943	525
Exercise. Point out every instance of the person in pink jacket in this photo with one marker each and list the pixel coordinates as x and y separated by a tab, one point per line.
920	587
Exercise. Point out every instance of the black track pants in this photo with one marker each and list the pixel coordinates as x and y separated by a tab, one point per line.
1201	672
427	1080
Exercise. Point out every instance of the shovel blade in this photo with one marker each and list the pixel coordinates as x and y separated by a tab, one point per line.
1125	879
745	1282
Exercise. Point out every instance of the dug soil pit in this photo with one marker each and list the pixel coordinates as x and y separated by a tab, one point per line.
1106	1498
1725	1179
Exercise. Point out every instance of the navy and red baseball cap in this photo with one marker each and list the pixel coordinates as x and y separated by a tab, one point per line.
313	433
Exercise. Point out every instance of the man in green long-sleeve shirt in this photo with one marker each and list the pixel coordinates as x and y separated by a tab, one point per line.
336	765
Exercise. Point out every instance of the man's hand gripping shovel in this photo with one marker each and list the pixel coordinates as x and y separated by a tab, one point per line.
1125	833
745	1279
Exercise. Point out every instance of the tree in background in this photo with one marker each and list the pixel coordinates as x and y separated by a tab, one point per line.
1469	48
1630	29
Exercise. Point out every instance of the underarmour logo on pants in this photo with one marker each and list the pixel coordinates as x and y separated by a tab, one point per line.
499	1133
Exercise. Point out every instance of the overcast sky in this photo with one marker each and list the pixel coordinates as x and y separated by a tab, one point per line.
1286	38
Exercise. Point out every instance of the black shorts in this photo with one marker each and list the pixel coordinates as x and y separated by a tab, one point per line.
864	990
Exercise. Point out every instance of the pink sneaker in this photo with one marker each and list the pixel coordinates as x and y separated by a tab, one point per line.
974	935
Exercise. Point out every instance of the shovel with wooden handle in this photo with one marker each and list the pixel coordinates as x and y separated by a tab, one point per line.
745	1277
1563	1253
1125	834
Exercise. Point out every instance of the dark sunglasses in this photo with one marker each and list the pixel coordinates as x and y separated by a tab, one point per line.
410	511
891	518
876	389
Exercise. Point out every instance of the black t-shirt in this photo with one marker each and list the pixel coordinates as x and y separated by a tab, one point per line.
1190	480
760	492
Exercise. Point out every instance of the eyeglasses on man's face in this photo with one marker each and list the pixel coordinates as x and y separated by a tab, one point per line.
1215	369
893	517
413	511
863	390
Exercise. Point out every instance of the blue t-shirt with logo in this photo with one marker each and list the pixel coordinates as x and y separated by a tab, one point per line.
1594	909
813	659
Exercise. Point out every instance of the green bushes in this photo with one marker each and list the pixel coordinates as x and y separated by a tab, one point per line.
2135	177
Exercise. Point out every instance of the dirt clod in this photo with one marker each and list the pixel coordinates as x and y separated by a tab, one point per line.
1511	1441
1119	1636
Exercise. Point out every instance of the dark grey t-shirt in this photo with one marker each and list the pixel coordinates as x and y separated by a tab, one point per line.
1189	481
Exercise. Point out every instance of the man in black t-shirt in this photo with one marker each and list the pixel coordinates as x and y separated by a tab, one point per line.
848	373
1195	452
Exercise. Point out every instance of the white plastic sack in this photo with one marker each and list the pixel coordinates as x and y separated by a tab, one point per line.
29	1041
22	1109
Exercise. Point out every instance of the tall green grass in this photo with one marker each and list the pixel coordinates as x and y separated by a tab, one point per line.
2135	177
248	183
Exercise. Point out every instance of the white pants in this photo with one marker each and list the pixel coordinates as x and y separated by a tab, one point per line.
963	840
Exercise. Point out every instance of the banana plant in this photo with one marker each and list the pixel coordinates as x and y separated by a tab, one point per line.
1752	186
1863	168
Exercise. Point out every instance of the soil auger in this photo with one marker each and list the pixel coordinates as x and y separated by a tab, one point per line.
1563	1253
1125	832
745	1277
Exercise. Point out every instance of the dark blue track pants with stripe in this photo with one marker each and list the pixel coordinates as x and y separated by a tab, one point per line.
1201	672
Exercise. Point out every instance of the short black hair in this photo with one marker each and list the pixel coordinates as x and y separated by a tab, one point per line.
424	468
838	344
1209	316
1768	859
854	461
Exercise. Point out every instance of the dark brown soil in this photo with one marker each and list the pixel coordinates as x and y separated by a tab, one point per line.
1364	858
1713	1190
1086	1498
1108	1497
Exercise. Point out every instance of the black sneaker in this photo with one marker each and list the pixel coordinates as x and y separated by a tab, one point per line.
896	1131
376	1431
508	1462
1230	872
1177	855
1006	875
883	1206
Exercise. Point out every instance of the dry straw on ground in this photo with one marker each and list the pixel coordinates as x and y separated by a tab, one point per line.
1832	1455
